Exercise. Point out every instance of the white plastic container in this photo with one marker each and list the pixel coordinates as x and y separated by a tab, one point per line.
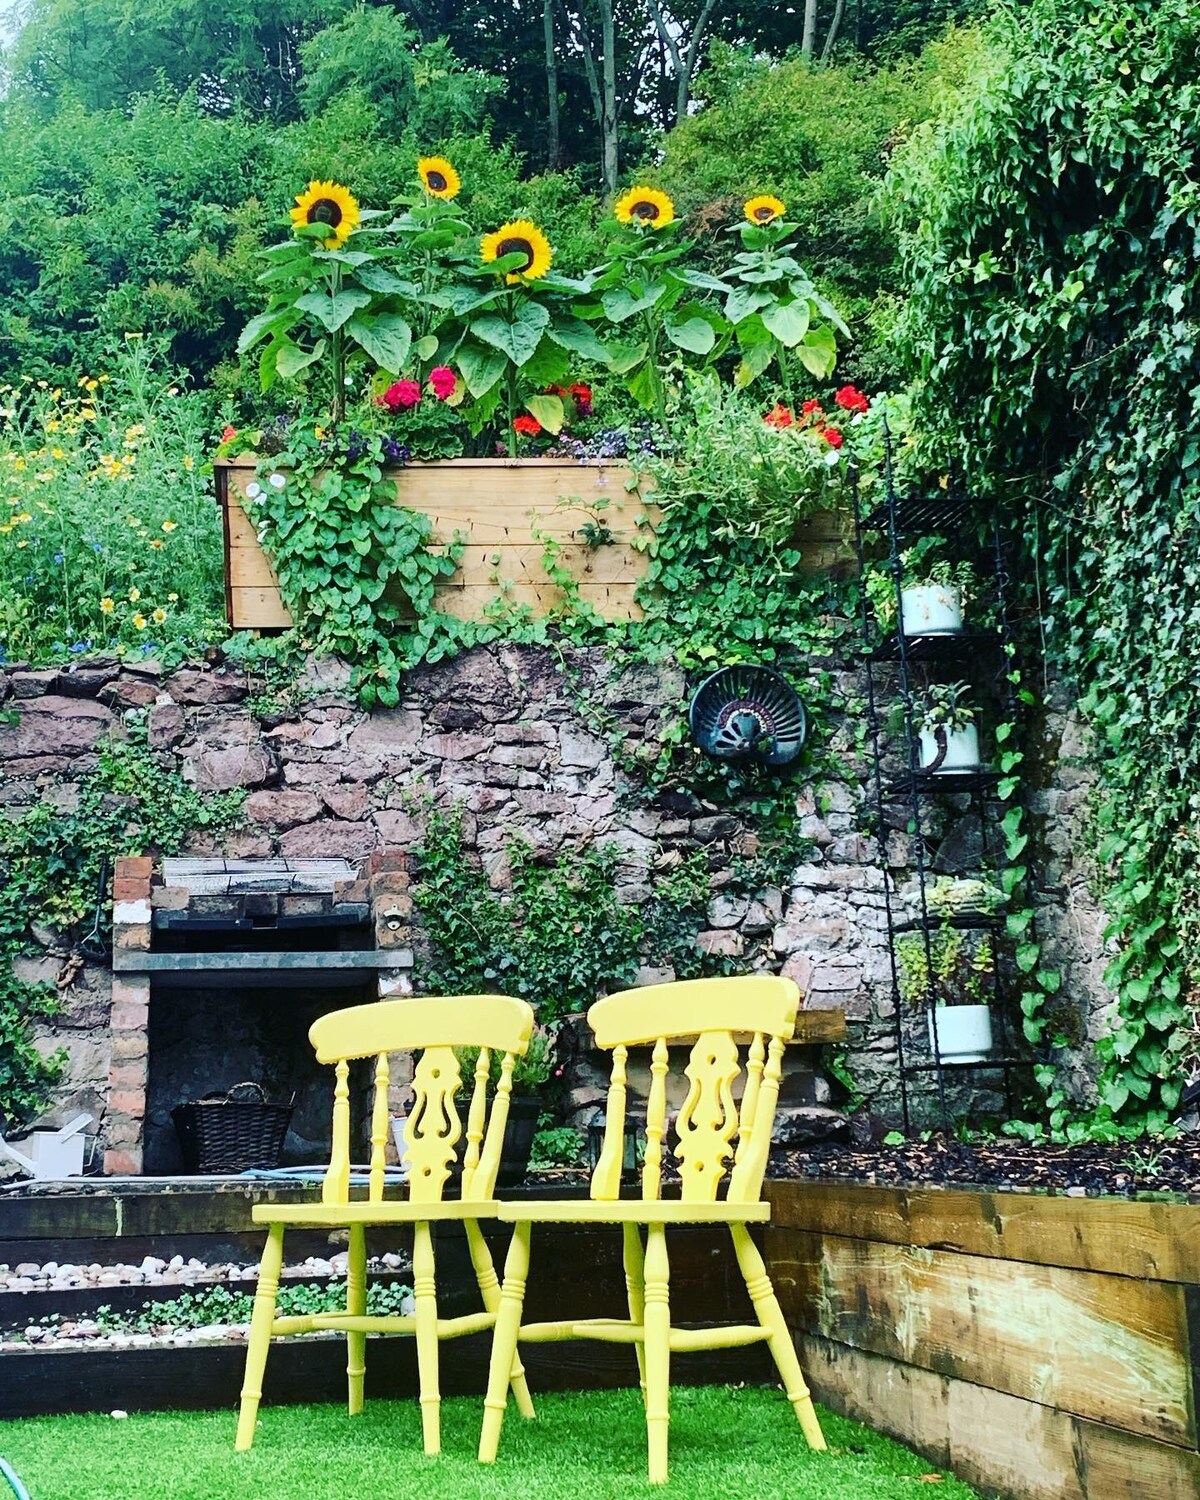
48	1154
962	750
931	609
964	1033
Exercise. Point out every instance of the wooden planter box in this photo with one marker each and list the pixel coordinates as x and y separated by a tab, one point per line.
497	504
1044	1348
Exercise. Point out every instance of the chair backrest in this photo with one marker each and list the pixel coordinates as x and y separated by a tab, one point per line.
434	1027
714	1012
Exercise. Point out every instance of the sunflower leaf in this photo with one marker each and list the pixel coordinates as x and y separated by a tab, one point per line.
701	279
818	352
481	368
620	303
517	339
344	257
693	334
427	347
380	279
291	358
788	321
744	300
334	311
548	410
387	339
625	357
576	335
277	321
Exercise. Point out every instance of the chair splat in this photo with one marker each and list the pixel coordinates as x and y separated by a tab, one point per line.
433	1127
708	1120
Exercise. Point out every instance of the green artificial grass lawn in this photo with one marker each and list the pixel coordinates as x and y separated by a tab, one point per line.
726	1444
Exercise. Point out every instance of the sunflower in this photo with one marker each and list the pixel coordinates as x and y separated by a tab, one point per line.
438	177
649	206
763	209
523	237
327	203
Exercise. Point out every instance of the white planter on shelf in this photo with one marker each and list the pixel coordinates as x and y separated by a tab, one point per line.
931	609
964	1033
962	750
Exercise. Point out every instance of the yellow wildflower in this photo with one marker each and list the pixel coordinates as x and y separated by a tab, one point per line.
189	463
135	594
169	526
158	544
159	615
140	622
107	605
171	598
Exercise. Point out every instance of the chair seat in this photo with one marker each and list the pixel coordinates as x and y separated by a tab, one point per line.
632	1211
398	1212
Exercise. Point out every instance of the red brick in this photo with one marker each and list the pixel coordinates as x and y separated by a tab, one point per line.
123	1163
130	867
122	1132
132	1076
127	1016
131	890
351	891
392	937
380	860
128	1101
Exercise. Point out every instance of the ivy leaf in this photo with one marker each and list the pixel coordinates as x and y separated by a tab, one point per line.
386	338
333	312
1027	955
517	339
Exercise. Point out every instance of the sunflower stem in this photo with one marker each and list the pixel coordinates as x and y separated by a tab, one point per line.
337	406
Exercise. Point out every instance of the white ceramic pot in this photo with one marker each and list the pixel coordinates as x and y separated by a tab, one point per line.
962	750
931	609
964	1033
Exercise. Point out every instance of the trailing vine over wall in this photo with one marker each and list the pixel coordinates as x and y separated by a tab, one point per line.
1053	322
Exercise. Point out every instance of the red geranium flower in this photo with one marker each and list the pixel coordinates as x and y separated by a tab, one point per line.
581	394
832	436
401	396
779	416
527	426
555	390
810	408
442	381
850	399
229	434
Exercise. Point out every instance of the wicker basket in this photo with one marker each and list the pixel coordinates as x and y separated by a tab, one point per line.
228	1133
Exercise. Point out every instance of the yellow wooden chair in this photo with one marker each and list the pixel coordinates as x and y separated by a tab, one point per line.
714	1011
494	1024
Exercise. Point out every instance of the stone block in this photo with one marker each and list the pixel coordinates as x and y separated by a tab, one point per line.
398	827
123	1163
577	748
391	887
282	809
454	746
222	768
723	940
385	731
525	734
331	838
350	802
129	692
133	936
128	1099
129	1015
170	897
191	685
166	726
131	1046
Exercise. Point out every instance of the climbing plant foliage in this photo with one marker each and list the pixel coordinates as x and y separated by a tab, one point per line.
1051	229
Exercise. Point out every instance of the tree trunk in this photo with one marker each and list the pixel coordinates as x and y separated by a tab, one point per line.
808	38
831	35
608	124
552	144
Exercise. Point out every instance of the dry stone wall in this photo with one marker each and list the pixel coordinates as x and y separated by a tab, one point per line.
543	743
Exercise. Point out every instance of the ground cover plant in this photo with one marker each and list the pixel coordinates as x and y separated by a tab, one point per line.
741	1443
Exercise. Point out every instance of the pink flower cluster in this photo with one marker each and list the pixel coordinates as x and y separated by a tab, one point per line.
403	395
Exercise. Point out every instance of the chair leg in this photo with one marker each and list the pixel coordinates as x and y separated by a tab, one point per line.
260	1336
425	1293
783	1350
505	1336
489	1291
658	1349
635	1291
356	1306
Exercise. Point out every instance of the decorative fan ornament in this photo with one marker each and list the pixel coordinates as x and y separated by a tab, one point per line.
748	713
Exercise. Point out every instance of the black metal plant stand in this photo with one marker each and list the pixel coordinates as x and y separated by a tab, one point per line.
900	521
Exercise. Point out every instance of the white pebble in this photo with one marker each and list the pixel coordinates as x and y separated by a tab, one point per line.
119	1416
176	1263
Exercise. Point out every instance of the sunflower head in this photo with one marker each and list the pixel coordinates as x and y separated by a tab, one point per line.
522	237
763	209
438	177
645	205
327	203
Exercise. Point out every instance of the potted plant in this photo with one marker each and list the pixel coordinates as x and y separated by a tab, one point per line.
949	739
949	973
934	590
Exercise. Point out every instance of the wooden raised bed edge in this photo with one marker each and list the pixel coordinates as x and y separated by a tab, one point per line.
1043	1347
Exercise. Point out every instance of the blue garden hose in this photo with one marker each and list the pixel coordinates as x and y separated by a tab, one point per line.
9	1473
